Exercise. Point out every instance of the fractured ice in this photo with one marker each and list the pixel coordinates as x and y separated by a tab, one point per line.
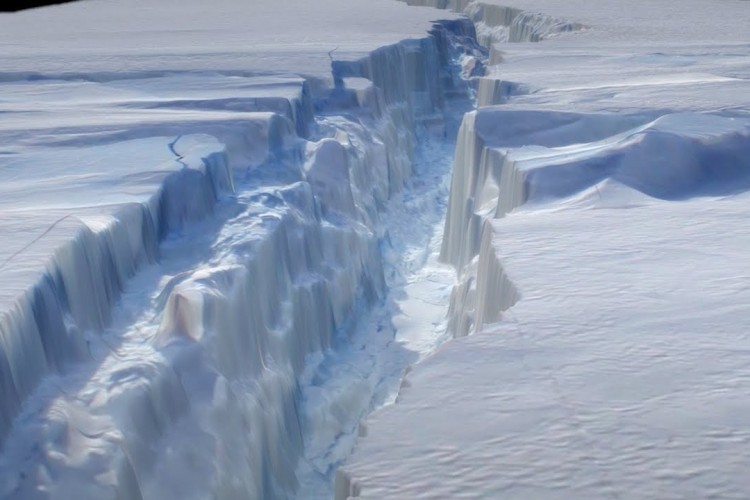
158	350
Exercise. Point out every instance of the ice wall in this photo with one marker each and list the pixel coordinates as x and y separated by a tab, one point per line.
65	282
496	23
485	184
198	397
506	158
492	91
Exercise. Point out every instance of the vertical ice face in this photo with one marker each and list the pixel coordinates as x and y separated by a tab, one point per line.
198	393
497	23
501	155
79	265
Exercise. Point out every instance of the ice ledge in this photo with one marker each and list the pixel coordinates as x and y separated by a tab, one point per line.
496	23
61	286
508	158
215	357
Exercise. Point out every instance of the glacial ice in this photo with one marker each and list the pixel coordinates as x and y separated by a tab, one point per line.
674	157
496	23
202	237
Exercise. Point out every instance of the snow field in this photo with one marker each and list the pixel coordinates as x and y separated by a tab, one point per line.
625	388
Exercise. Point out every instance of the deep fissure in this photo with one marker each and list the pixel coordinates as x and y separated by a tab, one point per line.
209	375
293	310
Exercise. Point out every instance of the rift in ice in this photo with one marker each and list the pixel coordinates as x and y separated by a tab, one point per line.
357	248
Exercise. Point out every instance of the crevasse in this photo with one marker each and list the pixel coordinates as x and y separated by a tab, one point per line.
497	23
195	393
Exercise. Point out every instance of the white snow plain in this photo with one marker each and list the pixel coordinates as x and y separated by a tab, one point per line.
597	222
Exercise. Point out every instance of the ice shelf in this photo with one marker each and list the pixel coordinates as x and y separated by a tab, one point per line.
218	255
497	23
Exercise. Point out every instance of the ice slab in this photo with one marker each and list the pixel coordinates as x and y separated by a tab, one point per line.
616	56
604	268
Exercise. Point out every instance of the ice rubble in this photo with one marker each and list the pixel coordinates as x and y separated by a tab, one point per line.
218	313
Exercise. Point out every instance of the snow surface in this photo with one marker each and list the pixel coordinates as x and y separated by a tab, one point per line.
597	225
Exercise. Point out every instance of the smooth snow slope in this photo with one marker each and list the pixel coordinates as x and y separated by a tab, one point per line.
261	37
597	224
182	231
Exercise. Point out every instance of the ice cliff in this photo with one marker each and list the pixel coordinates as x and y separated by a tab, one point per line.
507	158
253	246
498	23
